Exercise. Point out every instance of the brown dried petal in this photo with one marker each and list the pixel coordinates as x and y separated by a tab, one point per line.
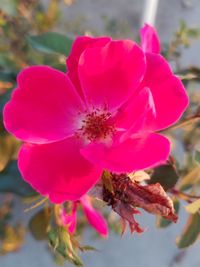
153	199
127	195
127	212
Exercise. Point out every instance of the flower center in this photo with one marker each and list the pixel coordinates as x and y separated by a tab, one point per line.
96	125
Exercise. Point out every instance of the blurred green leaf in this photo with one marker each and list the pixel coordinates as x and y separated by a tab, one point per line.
13	239
51	42
11	181
8	76
166	175
4	99
39	223
162	222
191	232
87	248
192	178
197	156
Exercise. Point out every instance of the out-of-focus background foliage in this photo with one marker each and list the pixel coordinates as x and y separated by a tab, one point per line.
41	32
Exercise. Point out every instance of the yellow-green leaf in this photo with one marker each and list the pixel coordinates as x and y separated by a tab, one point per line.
190	179
193	207
8	145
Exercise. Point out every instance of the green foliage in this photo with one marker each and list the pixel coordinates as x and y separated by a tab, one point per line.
183	37
197	156
11	181
26	29
191	232
51	42
61	242
9	76
3	100
166	175
39	223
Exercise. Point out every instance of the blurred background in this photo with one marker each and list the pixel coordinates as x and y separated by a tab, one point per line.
21	21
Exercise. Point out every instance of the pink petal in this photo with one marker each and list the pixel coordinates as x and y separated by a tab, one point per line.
70	220
150	40
94	217
131	155
110	74
79	45
58	170
169	95
136	111
44	107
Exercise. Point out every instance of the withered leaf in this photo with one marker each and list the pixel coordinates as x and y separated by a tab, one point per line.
153	199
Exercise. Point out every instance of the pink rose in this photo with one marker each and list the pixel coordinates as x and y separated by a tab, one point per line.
102	114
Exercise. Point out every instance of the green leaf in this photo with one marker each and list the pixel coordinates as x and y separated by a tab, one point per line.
87	248
11	181
197	156
191	232
38	224
51	42
162	222
166	175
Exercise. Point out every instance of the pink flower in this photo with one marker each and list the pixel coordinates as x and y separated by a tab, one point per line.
103	114
94	218
150	40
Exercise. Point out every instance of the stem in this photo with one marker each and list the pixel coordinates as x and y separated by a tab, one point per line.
183	195
37	204
186	122
150	12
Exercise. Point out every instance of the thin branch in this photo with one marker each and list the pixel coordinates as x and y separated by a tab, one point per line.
184	123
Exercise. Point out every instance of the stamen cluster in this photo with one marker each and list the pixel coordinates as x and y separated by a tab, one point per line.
97	125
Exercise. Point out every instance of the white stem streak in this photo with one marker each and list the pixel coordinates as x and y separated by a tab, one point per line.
150	11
